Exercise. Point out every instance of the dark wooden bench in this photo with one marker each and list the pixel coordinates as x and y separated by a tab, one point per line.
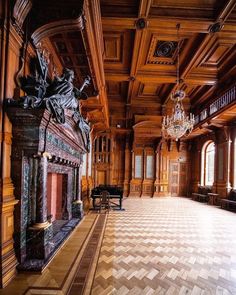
202	194
230	202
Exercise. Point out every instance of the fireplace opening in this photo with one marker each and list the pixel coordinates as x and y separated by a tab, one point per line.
56	200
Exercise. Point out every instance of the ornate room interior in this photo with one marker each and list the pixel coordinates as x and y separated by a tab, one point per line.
137	97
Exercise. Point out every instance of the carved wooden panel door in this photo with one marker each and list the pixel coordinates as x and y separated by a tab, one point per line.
174	178
183	179
178	179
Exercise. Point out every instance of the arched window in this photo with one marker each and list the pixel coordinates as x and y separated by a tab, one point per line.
208	163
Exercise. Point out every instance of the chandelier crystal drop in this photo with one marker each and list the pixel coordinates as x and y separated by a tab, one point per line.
178	124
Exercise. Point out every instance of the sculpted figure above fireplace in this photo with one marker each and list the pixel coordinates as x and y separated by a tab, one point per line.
62	94
55	95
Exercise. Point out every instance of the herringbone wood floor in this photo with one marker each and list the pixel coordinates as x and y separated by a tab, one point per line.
167	246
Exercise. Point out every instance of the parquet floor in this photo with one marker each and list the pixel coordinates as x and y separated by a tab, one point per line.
167	246
156	246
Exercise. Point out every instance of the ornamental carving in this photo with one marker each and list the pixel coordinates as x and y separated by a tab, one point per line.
162	52
165	48
56	95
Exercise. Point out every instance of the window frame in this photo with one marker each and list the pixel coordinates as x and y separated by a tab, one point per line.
204	163
234	163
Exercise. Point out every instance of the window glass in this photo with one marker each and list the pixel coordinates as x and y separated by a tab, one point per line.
209	164
138	166
149	167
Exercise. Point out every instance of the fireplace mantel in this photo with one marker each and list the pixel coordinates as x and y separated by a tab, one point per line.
41	146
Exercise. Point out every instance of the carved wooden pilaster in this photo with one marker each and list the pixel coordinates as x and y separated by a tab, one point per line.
127	167
196	170
10	42
157	174
222	182
233	157
164	168
148	173
144	169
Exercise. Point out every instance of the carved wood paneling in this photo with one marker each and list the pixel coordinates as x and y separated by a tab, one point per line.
117	50
154	53
113	45
206	9
120	8
71	50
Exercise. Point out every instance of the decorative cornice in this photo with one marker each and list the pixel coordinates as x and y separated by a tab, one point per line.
20	11
57	27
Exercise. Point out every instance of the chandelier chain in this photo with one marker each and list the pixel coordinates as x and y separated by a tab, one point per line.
178	124
178	41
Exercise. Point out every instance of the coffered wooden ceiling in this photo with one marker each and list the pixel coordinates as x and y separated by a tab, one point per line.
139	51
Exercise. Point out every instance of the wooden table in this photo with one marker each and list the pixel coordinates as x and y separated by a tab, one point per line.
213	198
113	197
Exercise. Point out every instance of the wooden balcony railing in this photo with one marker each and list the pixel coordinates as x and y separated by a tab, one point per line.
225	99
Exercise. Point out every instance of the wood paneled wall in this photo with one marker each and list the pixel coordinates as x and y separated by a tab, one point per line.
144	169
170	159
10	43
176	166
224	139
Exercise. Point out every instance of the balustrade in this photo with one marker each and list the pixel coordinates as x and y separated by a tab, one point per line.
225	99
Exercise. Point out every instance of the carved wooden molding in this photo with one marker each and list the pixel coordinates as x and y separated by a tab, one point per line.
57	27
6	137
20	11
8	188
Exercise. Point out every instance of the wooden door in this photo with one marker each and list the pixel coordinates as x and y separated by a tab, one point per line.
174	178
178	179
183	179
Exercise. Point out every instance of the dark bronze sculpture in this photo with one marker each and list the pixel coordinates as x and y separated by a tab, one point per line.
56	95
62	94
35	85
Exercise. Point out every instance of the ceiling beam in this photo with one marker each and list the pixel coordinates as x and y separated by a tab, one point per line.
161	78
188	26
226	10
144	8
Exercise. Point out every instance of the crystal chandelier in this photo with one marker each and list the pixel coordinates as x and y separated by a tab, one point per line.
178	124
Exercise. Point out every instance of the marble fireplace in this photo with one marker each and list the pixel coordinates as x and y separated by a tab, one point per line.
46	171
